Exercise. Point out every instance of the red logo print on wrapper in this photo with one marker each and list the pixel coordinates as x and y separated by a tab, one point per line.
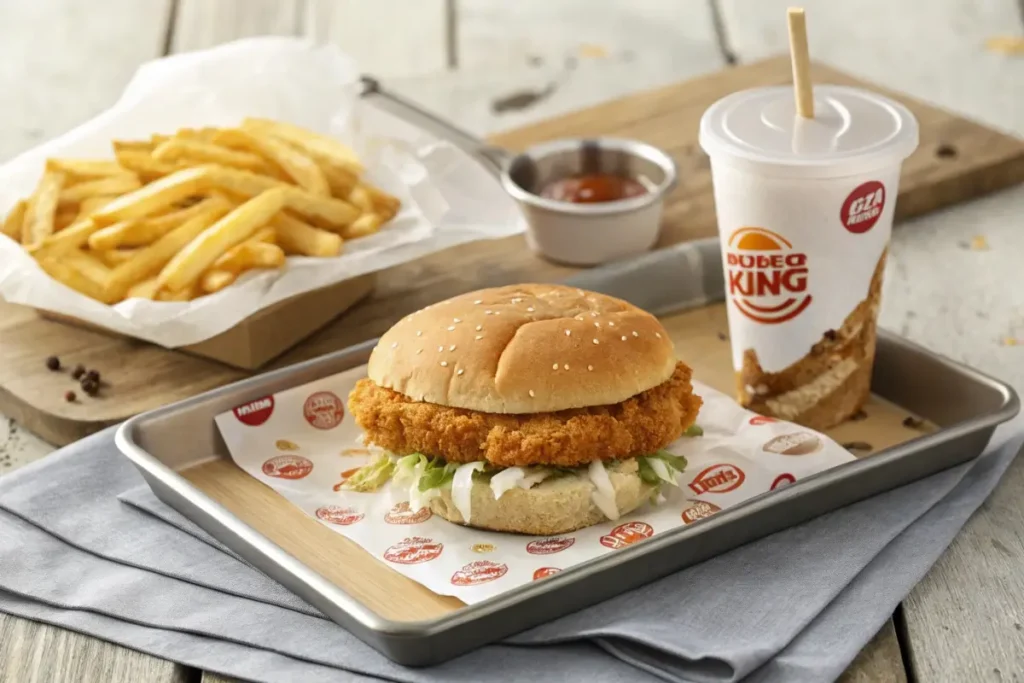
549	546
701	509
335	514
759	420
627	534
481	571
401	514
255	413
863	207
323	410
415	550
720	478
288	467
797	443
784	479
545	572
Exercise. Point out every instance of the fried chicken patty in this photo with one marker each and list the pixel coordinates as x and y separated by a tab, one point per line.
568	438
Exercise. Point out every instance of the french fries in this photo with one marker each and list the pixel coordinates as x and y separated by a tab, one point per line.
183	215
39	222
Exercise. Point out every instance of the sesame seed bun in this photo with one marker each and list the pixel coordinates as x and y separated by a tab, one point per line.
555	506
524	349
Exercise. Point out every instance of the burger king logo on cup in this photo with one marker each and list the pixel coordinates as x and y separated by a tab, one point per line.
784	479
863	207
767	277
481	571
549	546
718	479
401	514
545	572
798	443
699	510
335	514
759	420
288	467
255	413
414	550
323	410
627	534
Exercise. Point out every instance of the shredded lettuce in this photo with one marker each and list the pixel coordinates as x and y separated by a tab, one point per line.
603	494
462	487
371	476
661	467
694	430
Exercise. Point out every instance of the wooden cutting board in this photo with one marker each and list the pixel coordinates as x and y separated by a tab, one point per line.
957	160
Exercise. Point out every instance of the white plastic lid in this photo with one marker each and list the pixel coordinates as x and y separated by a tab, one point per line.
851	129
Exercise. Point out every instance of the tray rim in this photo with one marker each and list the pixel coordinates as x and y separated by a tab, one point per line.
367	618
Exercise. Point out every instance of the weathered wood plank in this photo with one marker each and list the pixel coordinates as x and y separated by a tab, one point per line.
66	60
879	662
31	651
204	23
935	53
388	38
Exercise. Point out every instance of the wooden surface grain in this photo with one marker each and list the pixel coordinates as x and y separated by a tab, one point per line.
79	54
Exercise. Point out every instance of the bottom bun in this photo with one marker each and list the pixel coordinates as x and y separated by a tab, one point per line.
555	506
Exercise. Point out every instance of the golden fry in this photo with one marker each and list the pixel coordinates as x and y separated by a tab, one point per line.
365	225
341	180
92	204
360	198
111	185
295	164
65	274
250	254
158	195
241	183
186	294
15	219
146	231
85	168
383	203
177	149
114	257
216	280
188	265
89	266
317	146
149	260
142	163
134	145
326	212
42	208
63	219
144	290
297	237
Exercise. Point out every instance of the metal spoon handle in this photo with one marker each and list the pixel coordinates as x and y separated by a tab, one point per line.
493	158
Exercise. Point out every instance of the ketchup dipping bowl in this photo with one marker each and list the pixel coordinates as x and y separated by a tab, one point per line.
592	225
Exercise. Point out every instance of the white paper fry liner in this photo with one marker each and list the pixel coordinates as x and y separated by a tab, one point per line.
447	198
301	441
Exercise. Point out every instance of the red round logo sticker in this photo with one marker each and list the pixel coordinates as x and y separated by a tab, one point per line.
718	479
545	572
863	207
323	410
415	550
548	546
759	420
481	571
335	514
784	479
401	514
288	467
255	413
627	534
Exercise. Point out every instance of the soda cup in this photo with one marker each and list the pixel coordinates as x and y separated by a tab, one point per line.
805	210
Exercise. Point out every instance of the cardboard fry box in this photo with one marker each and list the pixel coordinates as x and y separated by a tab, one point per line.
268	333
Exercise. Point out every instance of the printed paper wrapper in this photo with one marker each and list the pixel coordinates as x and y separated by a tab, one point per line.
447	198
301	441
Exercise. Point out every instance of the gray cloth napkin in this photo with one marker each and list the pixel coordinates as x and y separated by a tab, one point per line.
796	606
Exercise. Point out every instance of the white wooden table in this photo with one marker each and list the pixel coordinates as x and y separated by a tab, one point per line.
61	61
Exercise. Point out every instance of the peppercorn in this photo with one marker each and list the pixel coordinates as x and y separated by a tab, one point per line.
78	371
90	387
53	363
69	396
93	375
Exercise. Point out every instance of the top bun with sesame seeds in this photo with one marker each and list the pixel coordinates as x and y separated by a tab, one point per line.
524	349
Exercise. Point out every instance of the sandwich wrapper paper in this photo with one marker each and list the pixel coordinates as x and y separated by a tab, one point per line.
301	441
447	197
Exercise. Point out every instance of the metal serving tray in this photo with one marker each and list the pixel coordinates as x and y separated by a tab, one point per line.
964	404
